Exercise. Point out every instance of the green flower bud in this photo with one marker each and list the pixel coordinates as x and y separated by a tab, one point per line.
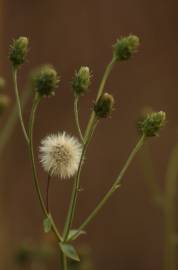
18	51
81	81
151	124
104	106
4	103
45	80
2	83
125	47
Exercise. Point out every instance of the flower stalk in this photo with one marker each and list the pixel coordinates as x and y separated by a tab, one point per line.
35	177
76	185
76	114
113	188
14	76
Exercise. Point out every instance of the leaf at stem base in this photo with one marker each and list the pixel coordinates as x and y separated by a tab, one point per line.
69	251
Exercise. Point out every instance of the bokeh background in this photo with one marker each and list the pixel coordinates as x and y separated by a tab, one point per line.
129	232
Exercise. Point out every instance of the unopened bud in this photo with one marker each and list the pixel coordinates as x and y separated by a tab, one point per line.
104	106
125	47
45	80
81	81
151	124
18	51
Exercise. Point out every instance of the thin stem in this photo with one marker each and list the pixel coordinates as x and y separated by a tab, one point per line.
14	75
113	188
7	130
100	92
76	186
170	211
63	262
35	177
105	77
31	126
87	137
76	100
47	192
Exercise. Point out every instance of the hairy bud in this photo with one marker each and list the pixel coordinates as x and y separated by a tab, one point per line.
151	124
45	80
104	106
81	81
18	51
125	47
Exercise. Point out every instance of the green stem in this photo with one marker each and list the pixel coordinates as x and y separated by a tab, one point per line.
7	130
88	135
14	75
76	186
113	188
170	211
35	177
63	262
105	77
76	100
100	92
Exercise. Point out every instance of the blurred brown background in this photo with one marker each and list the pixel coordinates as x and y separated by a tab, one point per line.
128	232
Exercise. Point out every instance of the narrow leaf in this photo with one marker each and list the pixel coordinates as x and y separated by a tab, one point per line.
69	251
47	224
74	234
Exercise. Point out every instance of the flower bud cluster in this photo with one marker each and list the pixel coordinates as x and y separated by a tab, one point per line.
125	47
18	51
45	80
104	106
151	124
81	81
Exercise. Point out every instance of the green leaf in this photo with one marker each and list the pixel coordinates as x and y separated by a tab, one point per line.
69	251
47	224
74	234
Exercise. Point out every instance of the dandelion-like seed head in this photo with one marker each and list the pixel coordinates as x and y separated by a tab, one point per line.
60	155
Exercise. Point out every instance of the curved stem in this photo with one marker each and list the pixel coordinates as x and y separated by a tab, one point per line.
170	211
7	130
63	261
76	100
88	134
76	186
31	125
100	92
14	75
35	177
113	188
47	192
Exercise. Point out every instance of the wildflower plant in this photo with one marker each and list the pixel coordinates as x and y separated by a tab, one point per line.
163	198
61	154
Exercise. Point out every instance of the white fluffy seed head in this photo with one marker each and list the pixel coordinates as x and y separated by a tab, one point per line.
60	155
